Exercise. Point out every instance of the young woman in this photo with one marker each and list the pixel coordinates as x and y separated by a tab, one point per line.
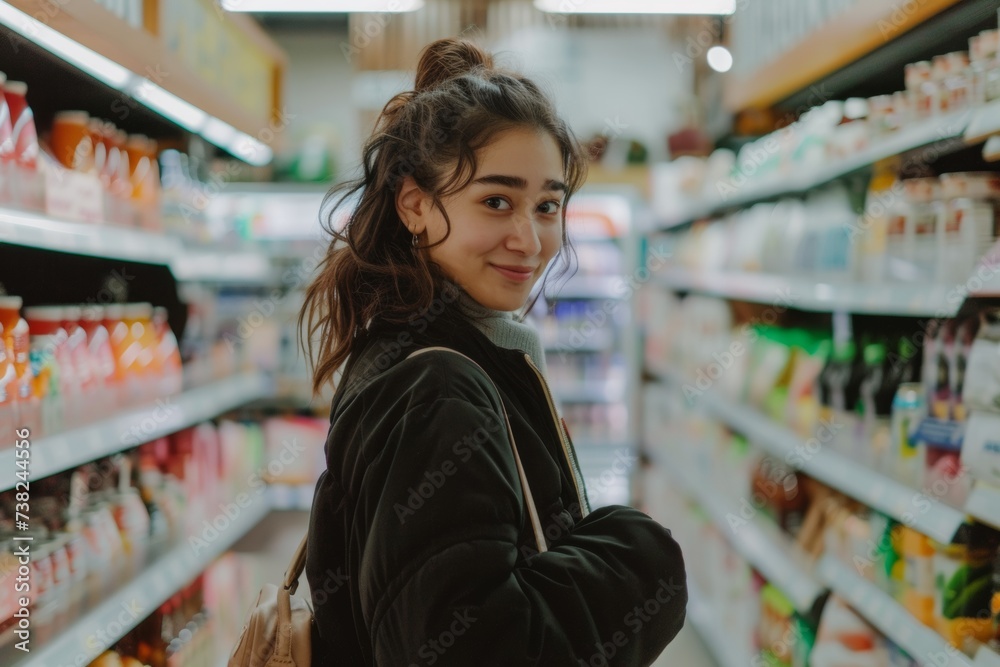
421	551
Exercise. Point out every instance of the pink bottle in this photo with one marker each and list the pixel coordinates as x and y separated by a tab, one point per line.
102	359
83	368
168	354
27	183
6	146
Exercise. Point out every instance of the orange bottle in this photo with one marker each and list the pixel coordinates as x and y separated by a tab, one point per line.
117	336
102	358
71	142
27	411
8	383
145	178
139	354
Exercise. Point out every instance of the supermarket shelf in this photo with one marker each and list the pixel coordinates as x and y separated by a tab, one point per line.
987	658
55	453
706	623
592	392
569	343
984	124
89	636
287	497
41	231
904	504
239	267
592	288
881	610
805	294
762	545
919	134
984	504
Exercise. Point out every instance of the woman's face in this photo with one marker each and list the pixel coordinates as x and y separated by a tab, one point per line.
506	225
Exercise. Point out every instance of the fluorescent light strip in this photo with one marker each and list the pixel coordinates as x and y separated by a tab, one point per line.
89	61
323	6
637	6
141	89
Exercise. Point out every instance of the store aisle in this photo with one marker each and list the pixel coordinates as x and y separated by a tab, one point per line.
687	650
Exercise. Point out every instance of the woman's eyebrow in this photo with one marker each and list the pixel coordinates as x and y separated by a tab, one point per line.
519	183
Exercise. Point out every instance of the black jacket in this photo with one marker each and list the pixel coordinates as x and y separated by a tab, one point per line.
420	548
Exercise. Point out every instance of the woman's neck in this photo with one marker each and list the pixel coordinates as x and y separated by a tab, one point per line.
501	327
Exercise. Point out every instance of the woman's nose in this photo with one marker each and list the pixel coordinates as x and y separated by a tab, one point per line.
524	237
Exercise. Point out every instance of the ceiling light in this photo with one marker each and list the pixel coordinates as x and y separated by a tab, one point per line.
720	59
139	88
323	6
636	6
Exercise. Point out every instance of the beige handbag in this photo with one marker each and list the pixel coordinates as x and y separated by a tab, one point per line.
278	629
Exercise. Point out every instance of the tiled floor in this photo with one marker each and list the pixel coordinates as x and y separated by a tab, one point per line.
687	650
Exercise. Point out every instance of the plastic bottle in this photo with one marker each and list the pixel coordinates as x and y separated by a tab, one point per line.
46	336
27	185
839	385
8	384
102	360
872	441
139	354
118	335
27	412
71	142
168	355
6	146
23	134
78	354
145	178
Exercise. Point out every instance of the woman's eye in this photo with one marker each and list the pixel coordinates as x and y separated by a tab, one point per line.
549	207
498	203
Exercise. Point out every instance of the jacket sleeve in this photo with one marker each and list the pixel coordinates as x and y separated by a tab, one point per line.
441	582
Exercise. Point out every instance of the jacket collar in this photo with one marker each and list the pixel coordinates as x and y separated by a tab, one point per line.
387	344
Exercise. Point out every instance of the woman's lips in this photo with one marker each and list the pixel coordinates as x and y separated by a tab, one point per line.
516	274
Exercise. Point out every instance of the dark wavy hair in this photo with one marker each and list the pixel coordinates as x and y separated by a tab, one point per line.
371	270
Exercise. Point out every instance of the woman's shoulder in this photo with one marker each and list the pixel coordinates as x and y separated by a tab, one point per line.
424	374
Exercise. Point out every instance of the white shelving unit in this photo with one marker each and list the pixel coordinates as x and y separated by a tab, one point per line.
881	610
987	658
805	294
904	504
603	222
590	288
47	233
592	392
705	622
761	544
89	635
984	504
920	134
56	453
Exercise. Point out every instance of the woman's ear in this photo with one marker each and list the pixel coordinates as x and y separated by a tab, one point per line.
412	205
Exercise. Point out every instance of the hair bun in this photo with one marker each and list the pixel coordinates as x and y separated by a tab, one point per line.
448	58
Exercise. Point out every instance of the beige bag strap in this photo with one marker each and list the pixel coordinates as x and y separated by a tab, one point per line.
295	568
536	524
298	564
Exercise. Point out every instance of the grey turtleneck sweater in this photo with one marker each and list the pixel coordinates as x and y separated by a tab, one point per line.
502	328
